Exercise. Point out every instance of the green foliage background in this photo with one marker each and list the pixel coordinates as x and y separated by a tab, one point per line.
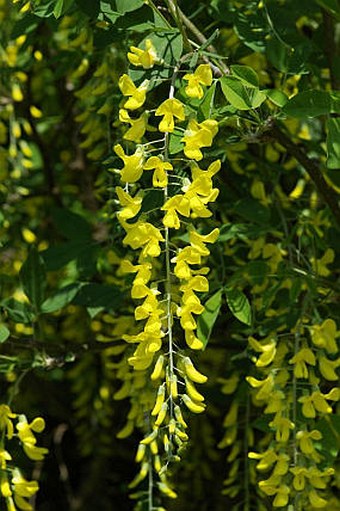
64	303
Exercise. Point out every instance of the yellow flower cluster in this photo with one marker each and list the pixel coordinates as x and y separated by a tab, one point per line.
293	455
167	279
14	488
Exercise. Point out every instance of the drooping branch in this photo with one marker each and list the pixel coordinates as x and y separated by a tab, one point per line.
328	194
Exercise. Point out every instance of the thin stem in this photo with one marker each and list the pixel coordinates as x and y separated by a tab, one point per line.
150	486
312	168
201	39
246	459
294	404
168	290
177	15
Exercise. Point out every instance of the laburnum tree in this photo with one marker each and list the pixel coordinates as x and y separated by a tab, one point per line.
169	253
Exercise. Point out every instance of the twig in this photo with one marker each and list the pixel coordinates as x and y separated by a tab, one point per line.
312	168
331	49
199	37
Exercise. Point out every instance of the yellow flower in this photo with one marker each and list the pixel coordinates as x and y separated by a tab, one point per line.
315	500
26	436
324	335
282	427
282	465
143	355
133	165
328	367
319	479
316	402
197	283
267	459
231	417
131	205
138	126
192	341
229	385
159	178
17	94
186	256
173	206
305	440
276	402
5	420
273	486
265	386
299	480
137	95
23	488
198	135
303	357
320	265
202	76
170	108
144	58
267	349
190	305
148	308
4	456
146	235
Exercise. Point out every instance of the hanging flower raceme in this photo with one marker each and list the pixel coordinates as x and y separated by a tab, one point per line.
14	488
296	411
168	281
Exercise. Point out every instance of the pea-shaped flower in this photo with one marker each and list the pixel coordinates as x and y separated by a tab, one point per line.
202	76
143	58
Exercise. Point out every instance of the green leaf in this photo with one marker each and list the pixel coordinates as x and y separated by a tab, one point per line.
175	144
209	40
57	256
310	103
333	143
257	271
124	6
109	12
239	305
242	231
335	102
246	74
4	333
71	225
99	295
152	201
276	96
61	7
207	105
252	210
18	311
89	7
331	6
207	319
169	46
251	29
287	59
25	25
93	311
63	297
33	278
240	96
44	10
136	21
